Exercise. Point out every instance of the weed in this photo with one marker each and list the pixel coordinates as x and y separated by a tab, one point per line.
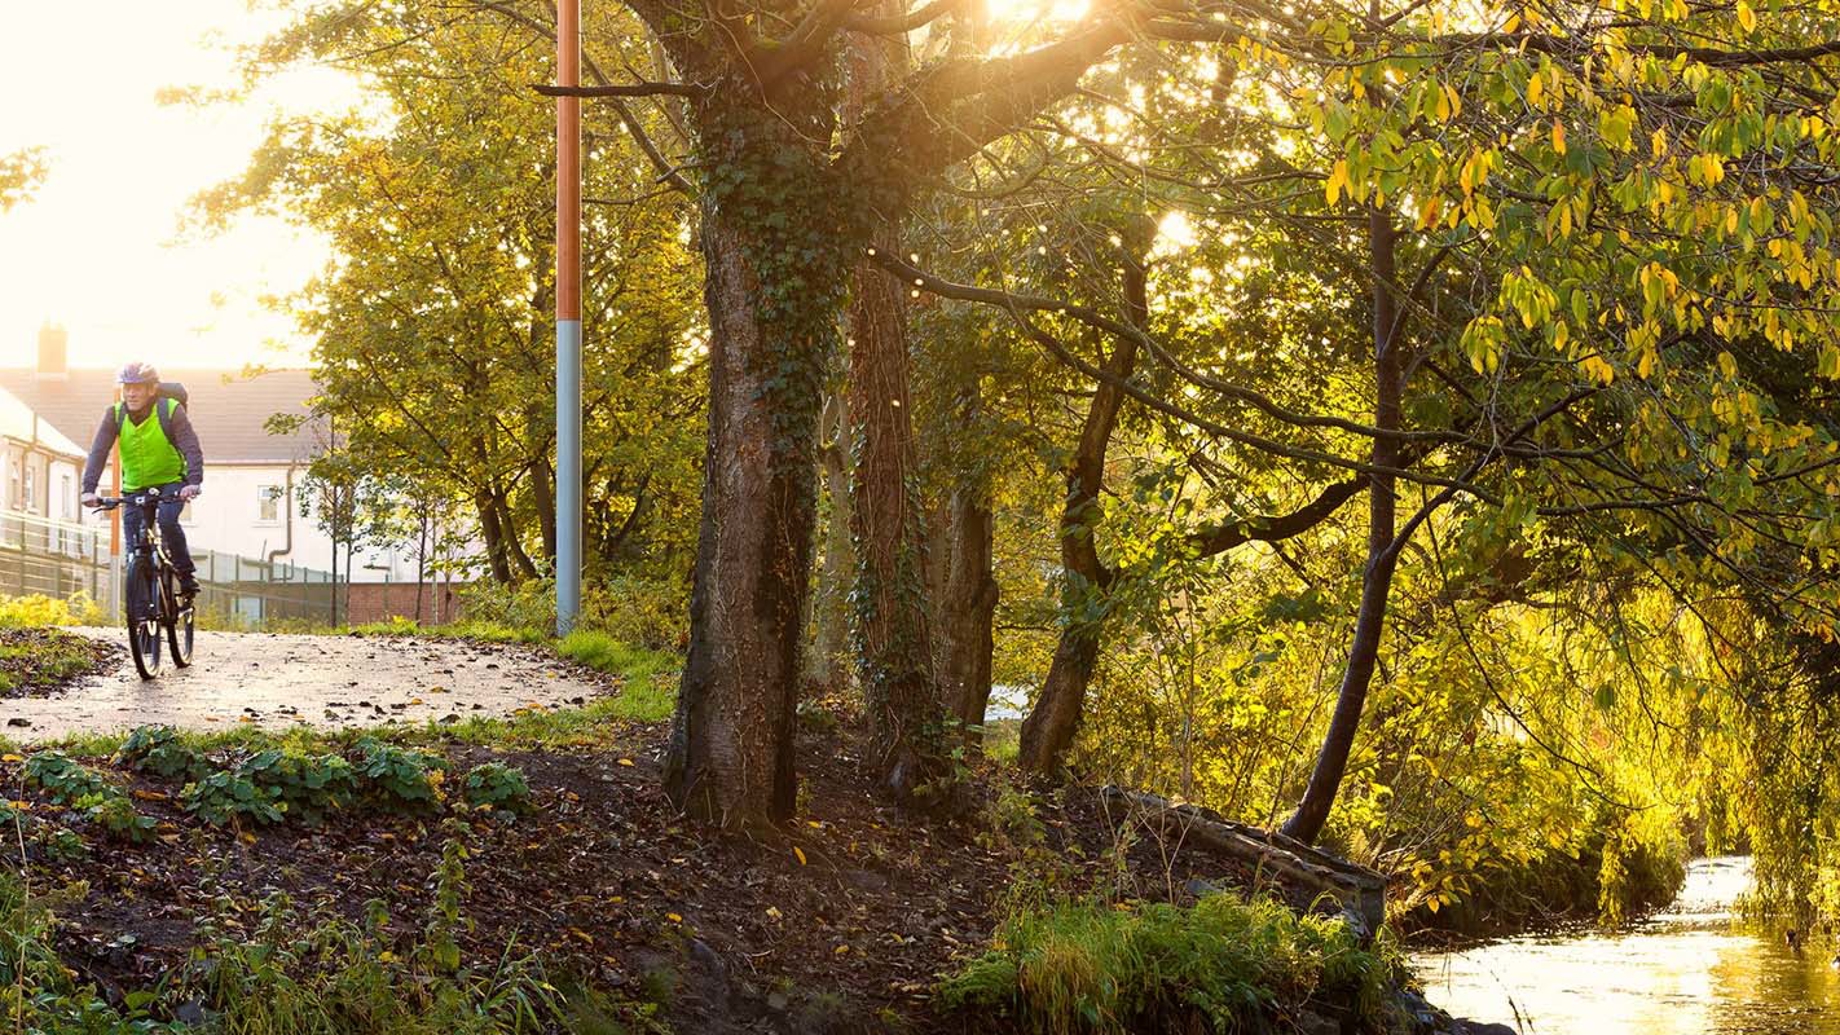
400	778
118	816
309	785
160	751
227	796
63	779
494	785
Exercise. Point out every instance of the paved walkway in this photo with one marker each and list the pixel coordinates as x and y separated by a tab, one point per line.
276	680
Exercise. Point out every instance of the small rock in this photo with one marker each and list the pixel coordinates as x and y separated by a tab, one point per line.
19	722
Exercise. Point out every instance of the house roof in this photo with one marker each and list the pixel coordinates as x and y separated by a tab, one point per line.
229	410
18	421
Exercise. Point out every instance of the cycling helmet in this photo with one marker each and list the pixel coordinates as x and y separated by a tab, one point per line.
137	374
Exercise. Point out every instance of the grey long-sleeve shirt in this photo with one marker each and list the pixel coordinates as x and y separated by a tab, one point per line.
178	430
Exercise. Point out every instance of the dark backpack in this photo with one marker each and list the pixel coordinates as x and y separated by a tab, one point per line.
172	390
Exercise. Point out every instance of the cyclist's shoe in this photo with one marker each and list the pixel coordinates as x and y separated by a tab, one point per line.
188	585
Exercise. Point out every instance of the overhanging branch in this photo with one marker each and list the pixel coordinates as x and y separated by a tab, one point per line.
623	90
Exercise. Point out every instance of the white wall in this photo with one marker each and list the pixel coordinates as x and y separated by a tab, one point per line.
230	517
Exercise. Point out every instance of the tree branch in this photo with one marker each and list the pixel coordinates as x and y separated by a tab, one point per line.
1099	321
623	90
1277	528
903	23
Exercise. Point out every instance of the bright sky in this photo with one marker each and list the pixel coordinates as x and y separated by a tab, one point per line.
98	250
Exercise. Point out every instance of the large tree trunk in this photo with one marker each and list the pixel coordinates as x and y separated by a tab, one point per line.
829	664
1382	553
730	759
896	654
1049	730
906	751
967	610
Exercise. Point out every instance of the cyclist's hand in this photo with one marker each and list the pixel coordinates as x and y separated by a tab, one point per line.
190	492
90	499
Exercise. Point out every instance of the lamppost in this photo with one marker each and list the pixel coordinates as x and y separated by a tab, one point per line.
568	317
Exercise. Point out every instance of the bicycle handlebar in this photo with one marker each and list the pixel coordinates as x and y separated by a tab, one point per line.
138	499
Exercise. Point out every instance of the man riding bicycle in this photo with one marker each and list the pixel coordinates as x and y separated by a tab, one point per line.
160	450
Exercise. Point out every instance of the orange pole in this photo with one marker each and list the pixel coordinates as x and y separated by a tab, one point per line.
568	162
115	490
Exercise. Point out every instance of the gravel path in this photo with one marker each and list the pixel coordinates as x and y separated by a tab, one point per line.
277	680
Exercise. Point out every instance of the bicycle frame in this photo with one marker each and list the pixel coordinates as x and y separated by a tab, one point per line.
158	606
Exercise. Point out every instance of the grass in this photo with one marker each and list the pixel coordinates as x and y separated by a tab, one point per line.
1223	964
288	974
1003	740
40	656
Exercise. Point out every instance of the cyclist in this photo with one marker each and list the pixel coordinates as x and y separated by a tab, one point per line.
160	450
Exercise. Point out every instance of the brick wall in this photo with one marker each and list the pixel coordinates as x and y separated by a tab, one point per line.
377	601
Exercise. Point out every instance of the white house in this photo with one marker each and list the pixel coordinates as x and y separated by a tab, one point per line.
250	506
40	465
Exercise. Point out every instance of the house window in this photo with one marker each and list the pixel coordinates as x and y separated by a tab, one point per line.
67	497
31	496
268	504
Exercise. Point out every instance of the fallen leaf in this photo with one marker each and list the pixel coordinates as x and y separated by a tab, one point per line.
800	852
674	918
626	761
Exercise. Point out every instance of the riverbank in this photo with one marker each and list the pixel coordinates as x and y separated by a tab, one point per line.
490	857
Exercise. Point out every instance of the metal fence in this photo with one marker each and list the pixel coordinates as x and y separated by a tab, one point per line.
60	559
54	558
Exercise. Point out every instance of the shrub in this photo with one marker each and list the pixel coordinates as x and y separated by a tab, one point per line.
495	785
118	816
227	795
38	610
63	779
160	751
309	785
400	778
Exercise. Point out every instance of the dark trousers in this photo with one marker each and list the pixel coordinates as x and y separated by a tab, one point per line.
171	535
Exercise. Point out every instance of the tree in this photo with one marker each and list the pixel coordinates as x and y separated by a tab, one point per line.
20	174
785	217
433	329
1517	200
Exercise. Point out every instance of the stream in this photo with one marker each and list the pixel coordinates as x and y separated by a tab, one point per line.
1692	970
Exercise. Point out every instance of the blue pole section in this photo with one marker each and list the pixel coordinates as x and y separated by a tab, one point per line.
568	318
568	474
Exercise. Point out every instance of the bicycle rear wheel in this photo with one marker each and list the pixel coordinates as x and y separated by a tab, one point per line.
143	616
179	624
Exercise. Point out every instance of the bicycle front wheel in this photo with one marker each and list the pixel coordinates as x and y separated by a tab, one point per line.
179	624
143	616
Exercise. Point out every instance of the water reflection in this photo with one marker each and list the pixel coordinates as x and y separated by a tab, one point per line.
1687	972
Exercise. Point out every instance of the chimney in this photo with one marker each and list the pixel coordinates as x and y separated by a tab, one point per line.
53	346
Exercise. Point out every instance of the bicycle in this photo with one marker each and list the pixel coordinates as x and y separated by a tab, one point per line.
152	602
